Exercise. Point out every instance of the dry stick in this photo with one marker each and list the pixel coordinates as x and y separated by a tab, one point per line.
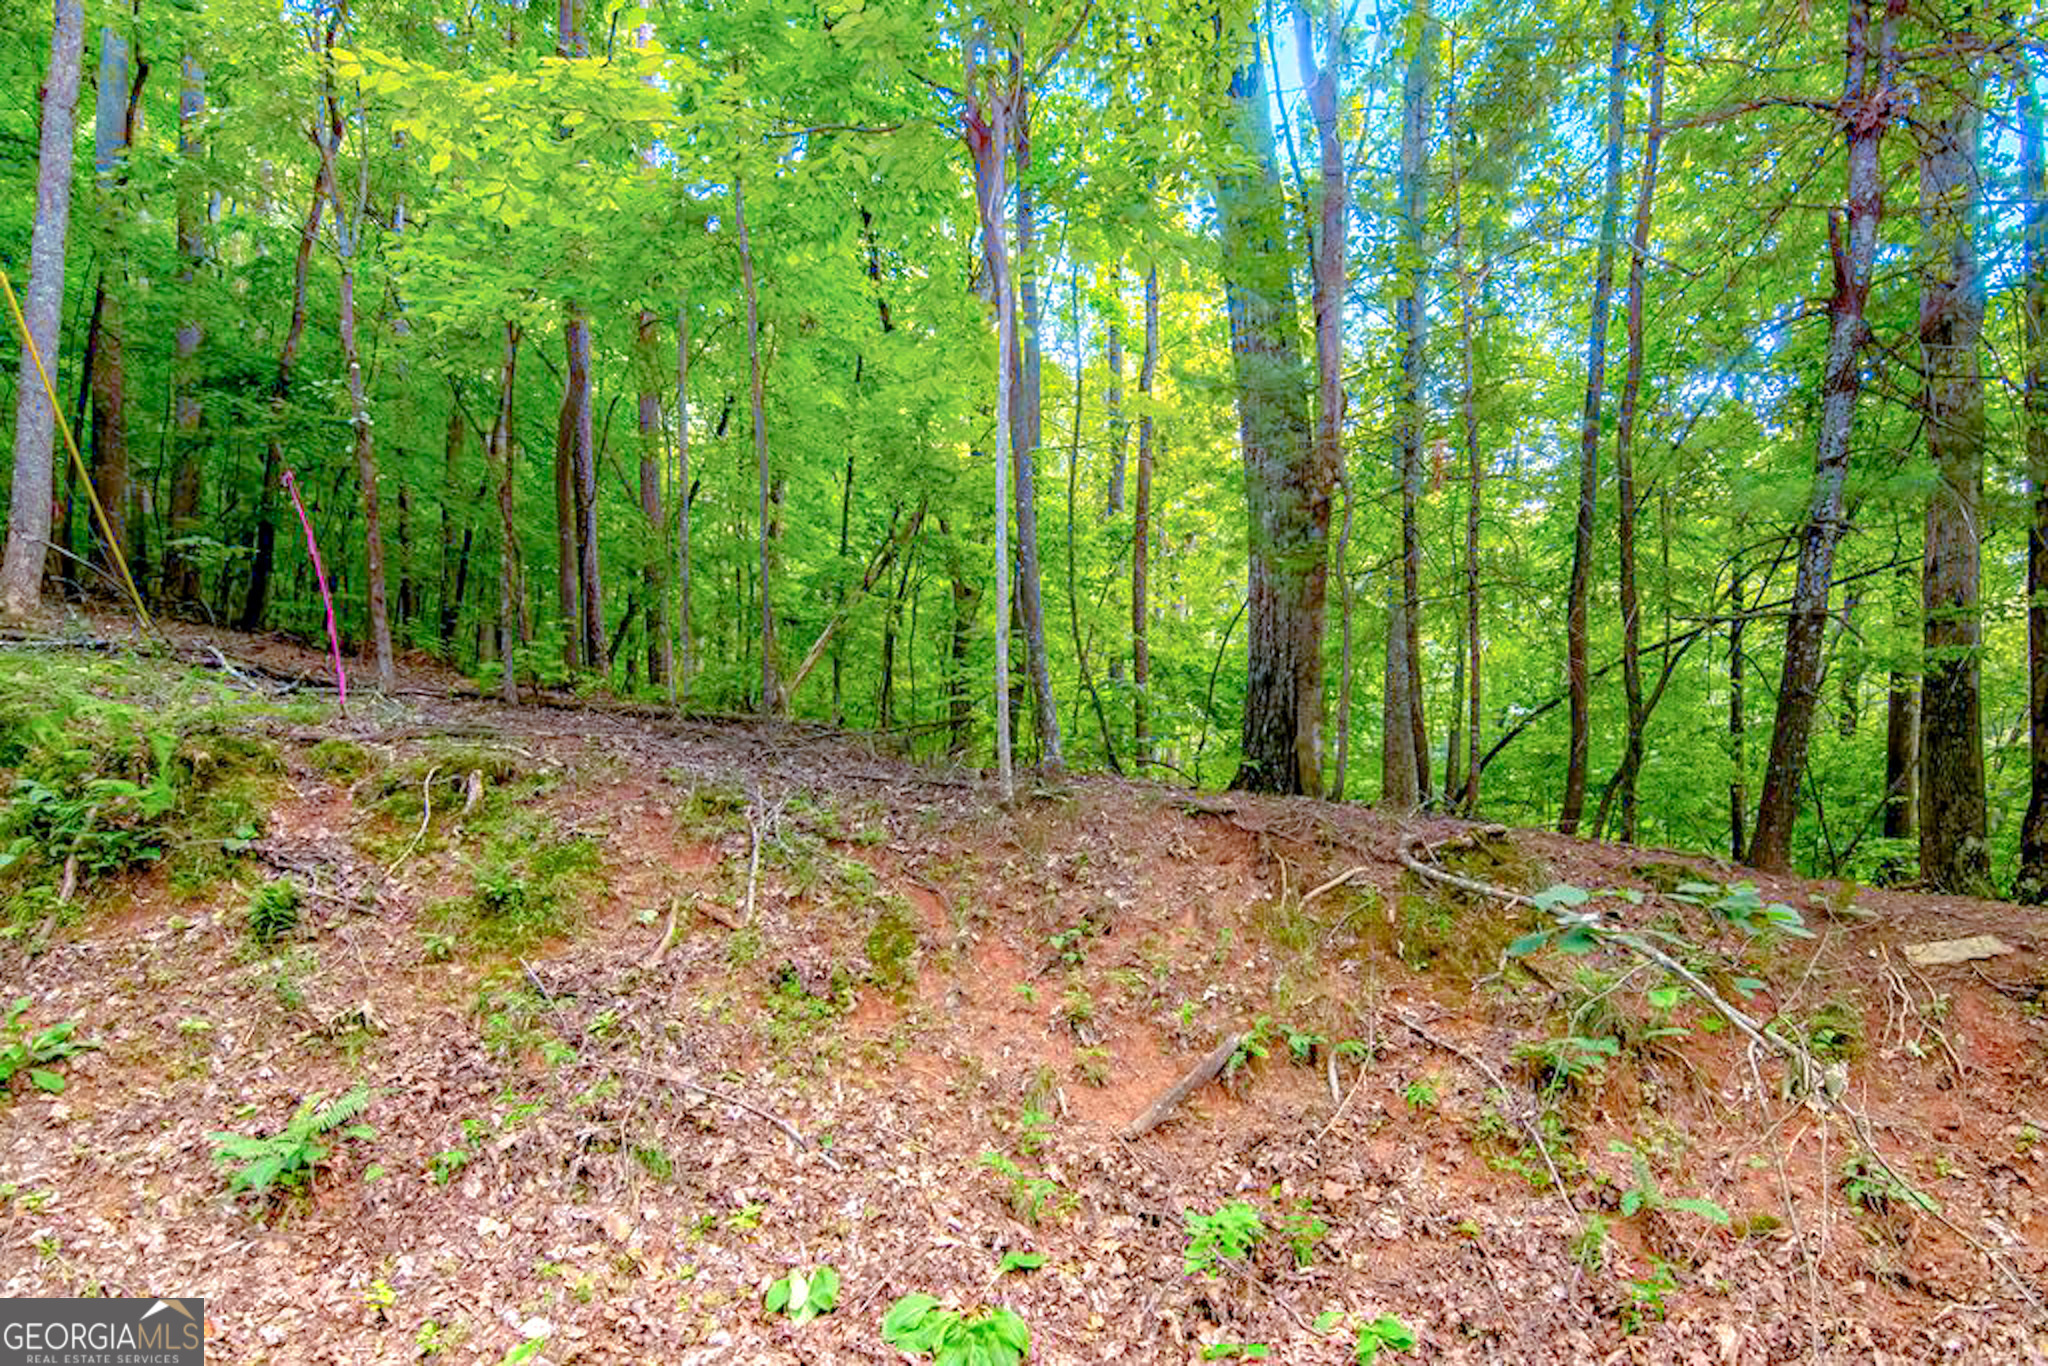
753	859
1200	1075
426	816
726	1098
1807	1071
1334	883
1485	1070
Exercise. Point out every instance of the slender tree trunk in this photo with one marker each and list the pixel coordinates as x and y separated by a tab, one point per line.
2032	883
1026	421
1287	487
1404	758
1625	439
118	95
1866	105
347	229
511	632
660	650
568	595
1954	856
1738	716
1113	396
1901	756
263	562
181	569
1475	477
685	638
959	693
589	578
1578	683
1141	538
1319	78
772	703
35	414
449	605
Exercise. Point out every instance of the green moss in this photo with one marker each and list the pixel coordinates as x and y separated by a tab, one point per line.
892	946
342	760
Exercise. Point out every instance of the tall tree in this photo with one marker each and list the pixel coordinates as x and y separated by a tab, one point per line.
121	75
1319	77
264	559
184	524
1026	422
1578	680
1403	697
35	413
348	228
1287	488
1626	420
1866	111
2032	884
773	701
1475	481
1141	536
1953	853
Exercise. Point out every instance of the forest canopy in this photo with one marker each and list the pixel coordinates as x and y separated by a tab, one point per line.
1631	418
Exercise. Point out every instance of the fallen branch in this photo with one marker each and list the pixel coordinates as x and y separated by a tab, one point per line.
1528	1125
426	816
726	1098
1333	884
1198	1076
1811	1078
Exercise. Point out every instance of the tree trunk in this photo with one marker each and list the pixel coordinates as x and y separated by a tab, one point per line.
1287	488
660	649
1866	105
685	640
511	633
959	694
1399	791
1953	853
448	603
1113	398
181	568
1141	538
1901	757
115	103
1404	697
1624	442
1026	420
772	702
263	563
1577	684
1475	477
1738	716
35	412
583	467
1330	287
347	227
2032	883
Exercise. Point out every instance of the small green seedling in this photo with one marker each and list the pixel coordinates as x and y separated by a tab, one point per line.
1215	1240
1239	1351
1020	1261
804	1294
287	1160
24	1050
919	1324
1385	1333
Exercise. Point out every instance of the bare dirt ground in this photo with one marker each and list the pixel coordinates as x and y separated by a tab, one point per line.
873	954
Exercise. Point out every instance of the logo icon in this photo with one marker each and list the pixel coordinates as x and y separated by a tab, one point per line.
129	1332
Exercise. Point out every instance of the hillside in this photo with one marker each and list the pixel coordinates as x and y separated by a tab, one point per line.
653	1011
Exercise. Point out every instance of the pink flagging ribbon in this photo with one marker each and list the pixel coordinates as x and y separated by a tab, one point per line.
291	486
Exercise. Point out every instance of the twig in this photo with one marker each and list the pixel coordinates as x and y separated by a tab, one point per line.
426	817
1486	1070
753	859
726	1098
1333	883
1198	1076
668	937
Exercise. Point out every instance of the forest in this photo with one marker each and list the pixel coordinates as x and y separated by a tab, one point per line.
1630	420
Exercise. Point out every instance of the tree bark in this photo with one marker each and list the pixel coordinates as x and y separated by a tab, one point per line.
660	649
568	592
35	413
1624	444
1866	111
1319	78
511	630
1578	684
1738	716
1954	856
115	103
687	661
772	700
1026	420
263	562
2032	883
1475	478
347	228
1403	701
1287	488
446	601
181	569
1141	539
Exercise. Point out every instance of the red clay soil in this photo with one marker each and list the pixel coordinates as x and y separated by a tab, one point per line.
958	1008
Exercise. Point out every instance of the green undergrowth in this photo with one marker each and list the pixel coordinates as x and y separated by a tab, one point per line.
111	764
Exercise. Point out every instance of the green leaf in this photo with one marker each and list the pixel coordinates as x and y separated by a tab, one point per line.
46	1081
1020	1261
1529	943
1706	1209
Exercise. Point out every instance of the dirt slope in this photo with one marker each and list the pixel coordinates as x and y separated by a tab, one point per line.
957	1009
